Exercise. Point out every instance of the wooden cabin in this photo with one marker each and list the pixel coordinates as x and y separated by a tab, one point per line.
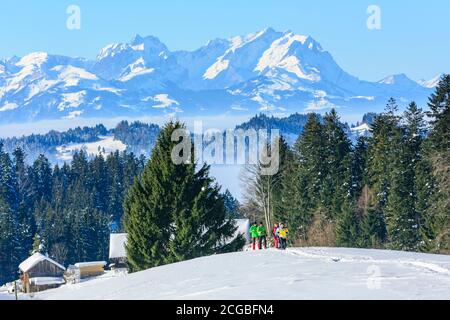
90	269
39	273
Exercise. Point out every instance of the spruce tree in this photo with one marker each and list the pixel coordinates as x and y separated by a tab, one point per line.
403	218
8	242
337	176
295	205
439	104
310	151
348	228
386	136
280	190
10	246
41	179
27	226
358	168
438	154
373	228
116	189
231	205
174	212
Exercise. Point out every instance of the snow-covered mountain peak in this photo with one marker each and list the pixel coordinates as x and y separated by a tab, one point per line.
289	53
397	79
137	39
111	50
71	72
265	70
148	43
35	58
217	42
268	32
292	37
432	83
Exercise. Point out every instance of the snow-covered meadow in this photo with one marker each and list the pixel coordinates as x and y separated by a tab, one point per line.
297	273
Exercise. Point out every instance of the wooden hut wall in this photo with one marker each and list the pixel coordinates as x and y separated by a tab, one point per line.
45	269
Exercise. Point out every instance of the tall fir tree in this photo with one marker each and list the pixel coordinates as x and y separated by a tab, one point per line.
173	212
438	155
348	227
9	225
336	182
386	136
358	168
27	226
231	205
439	104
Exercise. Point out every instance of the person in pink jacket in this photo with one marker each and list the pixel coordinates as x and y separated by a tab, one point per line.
276	239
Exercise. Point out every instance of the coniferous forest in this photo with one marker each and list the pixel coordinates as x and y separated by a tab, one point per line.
66	211
389	190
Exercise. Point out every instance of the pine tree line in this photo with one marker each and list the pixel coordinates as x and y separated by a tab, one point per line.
66	211
390	190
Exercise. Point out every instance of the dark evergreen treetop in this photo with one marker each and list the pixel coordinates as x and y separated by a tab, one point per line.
439	104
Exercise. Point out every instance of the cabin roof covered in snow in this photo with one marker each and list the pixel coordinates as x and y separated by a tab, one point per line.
117	242
29	263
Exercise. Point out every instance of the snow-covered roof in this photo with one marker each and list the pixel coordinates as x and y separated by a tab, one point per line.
42	281
117	242
35	259
90	264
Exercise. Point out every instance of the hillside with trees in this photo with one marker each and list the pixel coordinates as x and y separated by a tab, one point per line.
390	190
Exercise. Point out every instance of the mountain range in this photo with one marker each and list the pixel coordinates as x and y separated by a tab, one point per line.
269	71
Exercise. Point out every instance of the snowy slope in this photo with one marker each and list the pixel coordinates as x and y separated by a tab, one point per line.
6	296
432	83
105	146
306	273
269	71
361	130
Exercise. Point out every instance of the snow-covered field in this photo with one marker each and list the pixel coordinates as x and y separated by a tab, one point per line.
306	273
105	146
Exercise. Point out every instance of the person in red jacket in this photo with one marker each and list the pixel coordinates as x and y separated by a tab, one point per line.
275	236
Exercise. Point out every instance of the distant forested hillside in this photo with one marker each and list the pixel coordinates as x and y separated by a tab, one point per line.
140	137
137	136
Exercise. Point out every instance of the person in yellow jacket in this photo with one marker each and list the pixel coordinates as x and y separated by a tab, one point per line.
282	232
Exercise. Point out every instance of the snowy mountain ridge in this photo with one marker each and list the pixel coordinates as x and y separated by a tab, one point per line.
268	71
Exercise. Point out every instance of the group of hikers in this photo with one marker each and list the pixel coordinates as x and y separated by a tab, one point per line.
259	235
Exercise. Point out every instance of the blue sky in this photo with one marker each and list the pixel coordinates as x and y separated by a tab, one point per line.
414	35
